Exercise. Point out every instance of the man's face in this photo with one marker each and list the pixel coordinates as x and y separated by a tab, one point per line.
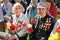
41	11
34	3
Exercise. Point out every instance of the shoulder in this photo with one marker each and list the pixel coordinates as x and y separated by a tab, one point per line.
9	4
49	16
25	16
37	17
30	6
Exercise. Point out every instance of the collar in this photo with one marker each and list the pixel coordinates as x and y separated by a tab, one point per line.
19	15
43	16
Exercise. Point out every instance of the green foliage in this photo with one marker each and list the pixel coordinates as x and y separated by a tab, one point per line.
58	17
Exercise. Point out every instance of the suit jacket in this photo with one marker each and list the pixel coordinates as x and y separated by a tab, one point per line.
1	14
8	8
24	5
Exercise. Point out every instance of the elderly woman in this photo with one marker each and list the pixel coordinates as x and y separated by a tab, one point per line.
23	3
19	16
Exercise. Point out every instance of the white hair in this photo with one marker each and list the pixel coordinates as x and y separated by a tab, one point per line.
15	5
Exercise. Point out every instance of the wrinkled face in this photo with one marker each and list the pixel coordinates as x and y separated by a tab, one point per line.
41	11
5	1
18	10
34	3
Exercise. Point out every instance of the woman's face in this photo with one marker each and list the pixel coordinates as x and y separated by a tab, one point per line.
18	10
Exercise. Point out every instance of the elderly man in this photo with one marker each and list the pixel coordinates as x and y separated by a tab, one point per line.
31	11
44	23
6	9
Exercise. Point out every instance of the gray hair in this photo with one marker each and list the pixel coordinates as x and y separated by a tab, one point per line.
17	4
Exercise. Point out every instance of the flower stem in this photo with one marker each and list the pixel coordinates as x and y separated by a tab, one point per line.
28	38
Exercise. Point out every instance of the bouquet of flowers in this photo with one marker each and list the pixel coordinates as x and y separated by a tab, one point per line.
55	36
14	28
30	30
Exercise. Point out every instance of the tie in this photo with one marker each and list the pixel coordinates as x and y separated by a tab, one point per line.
3	10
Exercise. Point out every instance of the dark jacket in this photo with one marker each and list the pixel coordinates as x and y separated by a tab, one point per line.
28	2
43	28
24	5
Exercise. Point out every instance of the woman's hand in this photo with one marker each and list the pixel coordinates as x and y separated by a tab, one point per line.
10	37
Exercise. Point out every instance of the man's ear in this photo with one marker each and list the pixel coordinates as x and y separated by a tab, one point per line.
38	10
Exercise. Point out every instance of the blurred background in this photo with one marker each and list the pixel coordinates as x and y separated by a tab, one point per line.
56	2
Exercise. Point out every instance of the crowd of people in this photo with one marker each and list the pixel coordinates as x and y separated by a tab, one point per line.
43	15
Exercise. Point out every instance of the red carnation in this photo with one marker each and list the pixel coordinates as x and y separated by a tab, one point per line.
24	24
58	29
11	20
12	27
30	30
32	21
